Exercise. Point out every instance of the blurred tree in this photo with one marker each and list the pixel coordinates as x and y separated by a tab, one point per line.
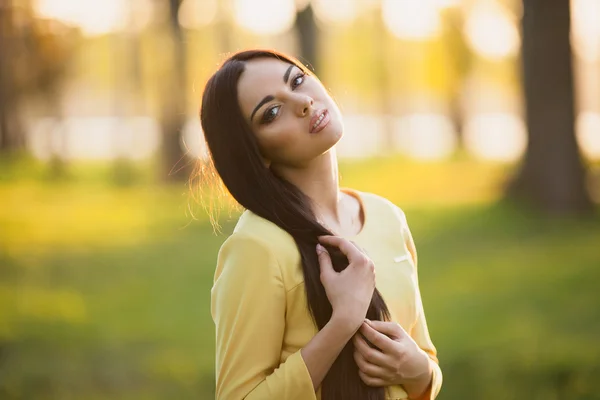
34	59
126	48
552	175
223	27
307	30
173	110
11	129
460	62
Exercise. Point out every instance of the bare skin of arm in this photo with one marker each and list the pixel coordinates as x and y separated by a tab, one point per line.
320	353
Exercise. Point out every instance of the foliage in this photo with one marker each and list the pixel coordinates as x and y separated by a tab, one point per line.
105	289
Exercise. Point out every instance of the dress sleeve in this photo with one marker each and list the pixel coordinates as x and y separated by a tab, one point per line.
248	307
419	331
420	334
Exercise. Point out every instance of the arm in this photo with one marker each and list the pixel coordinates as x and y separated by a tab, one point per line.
420	335
419	332
320	353
248	307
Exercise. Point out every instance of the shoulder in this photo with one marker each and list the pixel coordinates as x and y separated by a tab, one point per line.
381	207
376	200
258	245
255	228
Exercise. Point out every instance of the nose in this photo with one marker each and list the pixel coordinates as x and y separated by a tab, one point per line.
305	104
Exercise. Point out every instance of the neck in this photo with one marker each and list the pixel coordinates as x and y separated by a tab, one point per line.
320	182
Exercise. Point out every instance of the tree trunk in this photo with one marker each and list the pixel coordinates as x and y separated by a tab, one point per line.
460	64
128	87
552	176
307	37
176	166
11	130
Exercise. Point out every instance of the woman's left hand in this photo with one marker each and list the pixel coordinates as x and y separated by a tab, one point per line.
397	359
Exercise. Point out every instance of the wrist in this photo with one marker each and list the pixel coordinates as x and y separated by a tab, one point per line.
424	370
419	385
343	324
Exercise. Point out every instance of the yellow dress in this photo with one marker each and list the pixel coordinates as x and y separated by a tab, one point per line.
258	304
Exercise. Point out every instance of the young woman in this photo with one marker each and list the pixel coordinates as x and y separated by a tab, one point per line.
315	292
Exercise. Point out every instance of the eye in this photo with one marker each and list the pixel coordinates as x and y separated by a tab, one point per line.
298	80
270	115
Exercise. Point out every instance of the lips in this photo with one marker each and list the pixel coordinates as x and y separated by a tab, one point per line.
319	120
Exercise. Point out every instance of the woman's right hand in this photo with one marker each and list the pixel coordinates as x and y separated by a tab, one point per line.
349	291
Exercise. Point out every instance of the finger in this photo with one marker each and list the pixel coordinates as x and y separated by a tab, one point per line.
359	359
348	249
352	242
381	341
324	262
371	381
369	354
362	249
374	371
391	329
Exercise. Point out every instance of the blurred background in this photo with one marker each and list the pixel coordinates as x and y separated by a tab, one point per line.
480	118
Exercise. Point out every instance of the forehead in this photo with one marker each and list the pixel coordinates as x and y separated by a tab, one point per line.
261	77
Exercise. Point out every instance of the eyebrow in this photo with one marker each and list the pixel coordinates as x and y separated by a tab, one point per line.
269	98
287	73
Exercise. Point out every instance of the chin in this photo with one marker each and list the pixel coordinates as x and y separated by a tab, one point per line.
333	138
337	130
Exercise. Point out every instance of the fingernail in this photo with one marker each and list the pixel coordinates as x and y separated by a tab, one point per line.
367	321
320	249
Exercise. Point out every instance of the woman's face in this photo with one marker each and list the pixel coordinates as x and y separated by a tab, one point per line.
292	115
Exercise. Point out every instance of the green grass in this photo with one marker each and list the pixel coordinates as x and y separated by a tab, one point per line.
105	290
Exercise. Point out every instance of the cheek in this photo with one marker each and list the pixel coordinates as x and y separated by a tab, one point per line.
277	143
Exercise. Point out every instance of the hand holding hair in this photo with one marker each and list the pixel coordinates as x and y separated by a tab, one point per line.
349	291
395	359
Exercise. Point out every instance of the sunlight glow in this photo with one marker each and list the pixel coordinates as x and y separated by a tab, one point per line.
411	19
447	3
425	136
585	29
94	138
265	17
354	143
195	14
193	139
496	136
95	17
491	30
588	134
335	11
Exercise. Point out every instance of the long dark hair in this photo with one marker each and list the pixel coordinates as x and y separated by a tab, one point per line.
236	156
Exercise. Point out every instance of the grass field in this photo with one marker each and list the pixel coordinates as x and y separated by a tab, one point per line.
104	289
